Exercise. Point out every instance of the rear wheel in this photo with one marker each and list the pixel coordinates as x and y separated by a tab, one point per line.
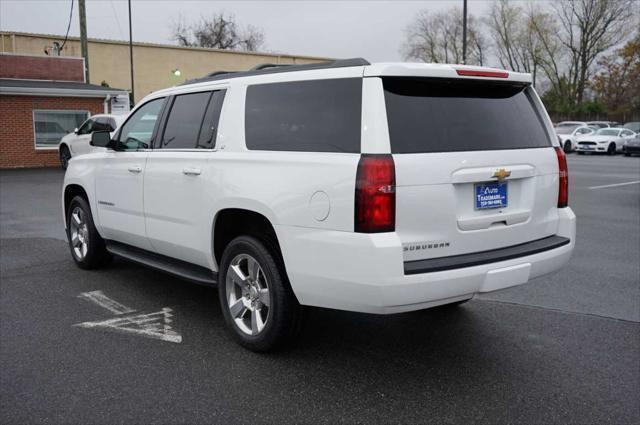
87	247
259	307
65	156
611	150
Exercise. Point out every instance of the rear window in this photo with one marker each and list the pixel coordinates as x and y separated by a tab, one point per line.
438	115
307	116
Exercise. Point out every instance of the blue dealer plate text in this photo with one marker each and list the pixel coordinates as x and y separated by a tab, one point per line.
491	195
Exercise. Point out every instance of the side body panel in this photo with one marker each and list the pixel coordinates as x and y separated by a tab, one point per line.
119	197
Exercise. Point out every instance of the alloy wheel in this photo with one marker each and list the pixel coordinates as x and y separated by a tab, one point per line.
79	233
248	295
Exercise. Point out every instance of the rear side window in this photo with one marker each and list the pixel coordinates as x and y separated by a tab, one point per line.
209	130
439	115
307	116
185	118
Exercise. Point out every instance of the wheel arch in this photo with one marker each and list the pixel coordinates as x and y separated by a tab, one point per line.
71	191
228	223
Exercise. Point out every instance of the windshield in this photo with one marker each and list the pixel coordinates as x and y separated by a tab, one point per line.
566	129
607	132
635	126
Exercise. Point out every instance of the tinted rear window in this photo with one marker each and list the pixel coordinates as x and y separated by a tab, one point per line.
309	116
183	125
430	115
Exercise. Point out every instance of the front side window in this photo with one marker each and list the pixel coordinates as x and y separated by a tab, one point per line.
51	126
137	131
104	124
442	115
304	116
185	118
88	127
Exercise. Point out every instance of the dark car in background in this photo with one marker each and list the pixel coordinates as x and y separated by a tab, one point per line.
633	126
632	146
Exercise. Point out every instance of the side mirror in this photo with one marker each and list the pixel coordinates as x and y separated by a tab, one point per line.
101	139
75	130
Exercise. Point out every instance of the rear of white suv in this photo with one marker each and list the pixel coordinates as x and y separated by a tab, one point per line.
461	189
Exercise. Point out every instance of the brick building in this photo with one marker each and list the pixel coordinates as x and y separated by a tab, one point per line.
43	98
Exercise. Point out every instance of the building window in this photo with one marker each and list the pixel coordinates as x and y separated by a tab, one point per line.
51	126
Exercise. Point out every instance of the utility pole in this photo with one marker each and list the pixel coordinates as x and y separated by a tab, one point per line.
131	54
84	47
464	31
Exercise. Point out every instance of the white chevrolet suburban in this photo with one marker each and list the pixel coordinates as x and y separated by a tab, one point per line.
377	188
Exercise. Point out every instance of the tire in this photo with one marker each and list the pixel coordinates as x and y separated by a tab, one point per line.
611	149
65	156
627	154
85	243
580	153
249	320
567	146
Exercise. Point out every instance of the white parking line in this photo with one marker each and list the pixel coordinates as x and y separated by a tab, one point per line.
615	185
151	325
155	325
103	301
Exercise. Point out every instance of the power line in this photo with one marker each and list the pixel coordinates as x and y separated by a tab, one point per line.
115	15
68	27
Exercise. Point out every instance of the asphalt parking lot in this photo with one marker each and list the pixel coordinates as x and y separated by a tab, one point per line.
562	349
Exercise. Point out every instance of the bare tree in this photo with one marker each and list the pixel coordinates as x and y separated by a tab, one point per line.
437	37
524	40
219	31
589	28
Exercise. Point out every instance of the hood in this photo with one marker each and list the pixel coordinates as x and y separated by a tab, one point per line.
598	138
68	136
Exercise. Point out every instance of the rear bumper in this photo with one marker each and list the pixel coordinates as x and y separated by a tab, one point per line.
365	273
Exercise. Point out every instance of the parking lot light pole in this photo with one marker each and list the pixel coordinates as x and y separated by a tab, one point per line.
464	31
131	55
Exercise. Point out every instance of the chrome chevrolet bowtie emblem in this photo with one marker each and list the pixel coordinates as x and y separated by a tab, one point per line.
501	174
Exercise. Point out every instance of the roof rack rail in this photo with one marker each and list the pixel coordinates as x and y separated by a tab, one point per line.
268	65
216	73
278	68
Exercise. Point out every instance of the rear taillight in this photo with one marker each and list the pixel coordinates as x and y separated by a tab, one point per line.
563	173
375	209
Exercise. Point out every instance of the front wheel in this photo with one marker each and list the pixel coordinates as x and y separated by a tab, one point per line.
87	246
567	146
258	305
611	150
65	156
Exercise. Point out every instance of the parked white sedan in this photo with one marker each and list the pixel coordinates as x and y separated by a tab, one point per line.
569	134
609	140
77	143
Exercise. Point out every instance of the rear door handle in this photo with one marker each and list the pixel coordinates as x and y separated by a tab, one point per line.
191	171
135	169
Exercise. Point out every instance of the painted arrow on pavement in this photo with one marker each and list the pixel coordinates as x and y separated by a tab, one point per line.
155	325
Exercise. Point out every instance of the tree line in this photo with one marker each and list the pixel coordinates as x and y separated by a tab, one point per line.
583	55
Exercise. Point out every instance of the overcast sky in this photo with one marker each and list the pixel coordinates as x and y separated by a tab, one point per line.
370	29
